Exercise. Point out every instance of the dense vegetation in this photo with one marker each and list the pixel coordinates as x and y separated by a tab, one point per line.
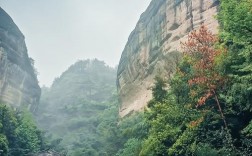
72	111
18	133
208	108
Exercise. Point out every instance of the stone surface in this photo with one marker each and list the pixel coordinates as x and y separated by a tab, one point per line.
152	46
18	81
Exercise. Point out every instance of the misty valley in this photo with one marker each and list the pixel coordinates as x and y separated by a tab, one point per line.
182	87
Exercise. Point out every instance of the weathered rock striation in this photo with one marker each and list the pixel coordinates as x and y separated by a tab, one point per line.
18	81
152	46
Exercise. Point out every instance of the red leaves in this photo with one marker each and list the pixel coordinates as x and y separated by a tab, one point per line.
200	48
196	122
203	99
201	53
197	80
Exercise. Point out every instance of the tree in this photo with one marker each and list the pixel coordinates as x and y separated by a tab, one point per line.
18	133
201	53
4	149
159	91
28	134
131	148
236	34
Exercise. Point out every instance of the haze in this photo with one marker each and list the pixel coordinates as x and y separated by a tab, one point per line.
60	32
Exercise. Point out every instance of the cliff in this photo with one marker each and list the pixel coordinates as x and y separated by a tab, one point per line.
18	81
153	46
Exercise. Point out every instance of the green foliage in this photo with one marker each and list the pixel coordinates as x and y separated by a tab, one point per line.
18	133
235	33
208	150
179	87
159	91
134	126
248	130
235	18
80	110
178	126
4	145
131	148
166	121
28	133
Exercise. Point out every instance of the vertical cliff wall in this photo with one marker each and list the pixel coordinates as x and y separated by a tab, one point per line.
18	82
152	46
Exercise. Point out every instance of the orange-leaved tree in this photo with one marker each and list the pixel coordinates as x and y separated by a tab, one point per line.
201	53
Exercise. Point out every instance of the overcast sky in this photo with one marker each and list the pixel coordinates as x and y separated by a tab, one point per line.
60	32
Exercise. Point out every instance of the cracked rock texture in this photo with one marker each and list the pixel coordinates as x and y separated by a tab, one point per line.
153	46
18	81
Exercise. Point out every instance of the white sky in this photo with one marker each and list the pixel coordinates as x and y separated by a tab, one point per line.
60	32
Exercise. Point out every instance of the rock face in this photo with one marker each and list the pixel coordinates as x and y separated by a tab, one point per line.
18	81
152	46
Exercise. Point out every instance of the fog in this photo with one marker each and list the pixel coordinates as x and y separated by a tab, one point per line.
60	32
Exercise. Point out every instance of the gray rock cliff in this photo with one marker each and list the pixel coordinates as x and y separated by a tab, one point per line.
153	45
18	81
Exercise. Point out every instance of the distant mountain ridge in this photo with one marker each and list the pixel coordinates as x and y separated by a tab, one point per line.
69	109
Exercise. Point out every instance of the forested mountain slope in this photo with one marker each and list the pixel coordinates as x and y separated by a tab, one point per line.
70	108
